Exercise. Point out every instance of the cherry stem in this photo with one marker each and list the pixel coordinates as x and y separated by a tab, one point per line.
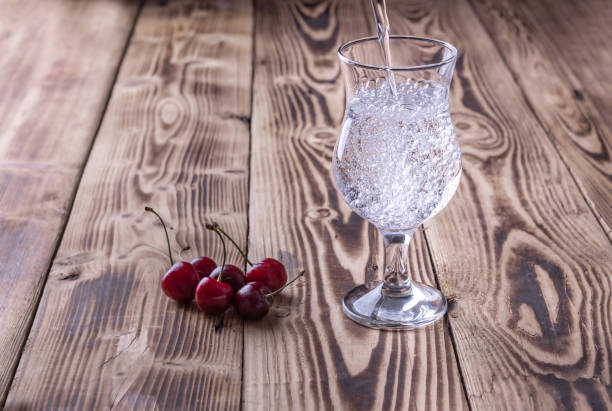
286	285
150	210
224	253
215	227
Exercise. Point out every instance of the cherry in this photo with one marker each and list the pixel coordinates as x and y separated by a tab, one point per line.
232	275
269	271
181	280
253	301
212	296
203	266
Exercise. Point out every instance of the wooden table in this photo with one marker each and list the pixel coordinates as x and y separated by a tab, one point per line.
228	110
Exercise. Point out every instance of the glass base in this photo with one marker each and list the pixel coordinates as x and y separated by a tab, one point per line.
389	310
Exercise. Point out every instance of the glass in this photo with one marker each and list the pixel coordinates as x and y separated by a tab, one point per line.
397	164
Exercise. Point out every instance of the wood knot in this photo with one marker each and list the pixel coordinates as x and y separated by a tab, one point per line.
169	111
239	117
68	277
578	95
451	300
282	312
325	135
318	213
77	259
235	171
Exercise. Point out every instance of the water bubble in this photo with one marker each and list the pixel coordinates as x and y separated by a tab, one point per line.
400	156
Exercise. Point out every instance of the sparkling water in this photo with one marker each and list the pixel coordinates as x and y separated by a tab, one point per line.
397	161
379	7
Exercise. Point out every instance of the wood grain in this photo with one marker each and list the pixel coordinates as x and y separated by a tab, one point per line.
579	31
175	137
307	354
518	246
570	115
58	60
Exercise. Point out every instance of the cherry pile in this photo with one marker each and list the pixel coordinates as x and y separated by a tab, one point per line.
216	288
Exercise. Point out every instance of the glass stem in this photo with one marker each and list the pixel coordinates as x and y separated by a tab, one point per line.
374	269
396	276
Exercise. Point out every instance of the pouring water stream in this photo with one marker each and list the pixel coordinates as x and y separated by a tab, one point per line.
379	8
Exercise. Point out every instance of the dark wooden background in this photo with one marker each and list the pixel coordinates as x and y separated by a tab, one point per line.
228	110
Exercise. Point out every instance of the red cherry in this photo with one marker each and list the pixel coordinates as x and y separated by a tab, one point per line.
232	275
203	266
252	301
269	271
180	282
212	296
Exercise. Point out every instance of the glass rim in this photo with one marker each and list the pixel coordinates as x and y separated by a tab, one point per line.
448	46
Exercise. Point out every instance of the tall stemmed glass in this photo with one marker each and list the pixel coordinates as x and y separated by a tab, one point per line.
396	163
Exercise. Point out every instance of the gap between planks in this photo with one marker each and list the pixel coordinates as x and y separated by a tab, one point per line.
248	205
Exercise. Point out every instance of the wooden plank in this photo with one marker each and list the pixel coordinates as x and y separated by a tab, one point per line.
570	115
518	246
58	60
176	137
580	32
307	354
